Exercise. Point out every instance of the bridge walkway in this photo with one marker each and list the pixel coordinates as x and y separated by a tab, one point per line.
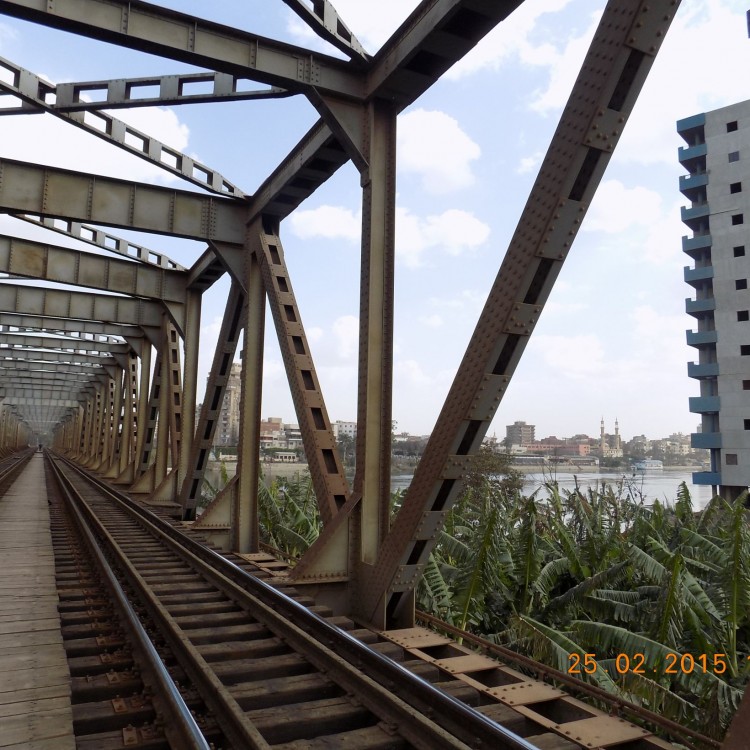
35	709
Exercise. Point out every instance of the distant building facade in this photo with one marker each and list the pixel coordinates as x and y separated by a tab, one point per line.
717	184
610	446
519	433
228	427
344	429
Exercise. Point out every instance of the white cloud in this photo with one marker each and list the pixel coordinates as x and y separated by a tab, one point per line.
563	66
530	163
432	321
314	333
576	357
410	371
59	144
712	31
615	208
510	40
346	331
468	299
331	222
432	145
454	231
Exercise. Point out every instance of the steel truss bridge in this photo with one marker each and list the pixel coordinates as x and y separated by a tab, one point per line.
111	372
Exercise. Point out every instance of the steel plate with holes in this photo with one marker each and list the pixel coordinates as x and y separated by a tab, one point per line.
602	731
524	693
416	638
468	663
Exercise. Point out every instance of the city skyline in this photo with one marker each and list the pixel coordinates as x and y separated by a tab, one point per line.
611	338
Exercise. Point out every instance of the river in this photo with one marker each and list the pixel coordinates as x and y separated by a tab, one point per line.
651	485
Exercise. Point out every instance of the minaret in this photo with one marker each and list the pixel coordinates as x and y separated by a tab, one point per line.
617	435
602	439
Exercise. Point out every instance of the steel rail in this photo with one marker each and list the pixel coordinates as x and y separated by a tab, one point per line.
11	466
621	705
344	657
182	723
234	724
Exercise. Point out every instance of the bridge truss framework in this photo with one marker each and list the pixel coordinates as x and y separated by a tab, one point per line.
113	372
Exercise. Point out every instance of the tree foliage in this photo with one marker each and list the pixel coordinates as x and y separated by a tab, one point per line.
602	572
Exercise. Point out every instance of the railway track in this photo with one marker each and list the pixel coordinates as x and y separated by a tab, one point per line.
261	669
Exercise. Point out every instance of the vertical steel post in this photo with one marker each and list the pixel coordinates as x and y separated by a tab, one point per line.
245	531
191	344
143	406
372	478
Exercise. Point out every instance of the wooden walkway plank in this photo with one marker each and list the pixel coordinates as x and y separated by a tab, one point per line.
35	711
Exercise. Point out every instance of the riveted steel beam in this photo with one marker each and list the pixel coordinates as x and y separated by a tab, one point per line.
78	196
58	379
218	376
50	358
326	22
160	31
188	88
105	240
616	65
82	305
437	34
311	162
47	401
324	463
35	260
84	346
36	92
82	329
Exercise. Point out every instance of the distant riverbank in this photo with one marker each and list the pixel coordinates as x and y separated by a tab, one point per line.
656	485
650	485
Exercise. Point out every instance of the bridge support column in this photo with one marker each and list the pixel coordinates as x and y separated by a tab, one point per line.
245	527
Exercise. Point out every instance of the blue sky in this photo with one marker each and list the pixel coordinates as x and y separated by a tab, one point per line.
611	341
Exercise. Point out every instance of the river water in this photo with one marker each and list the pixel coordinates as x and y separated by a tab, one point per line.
651	485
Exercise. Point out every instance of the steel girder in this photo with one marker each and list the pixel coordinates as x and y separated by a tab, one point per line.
79	329
46	191
34	260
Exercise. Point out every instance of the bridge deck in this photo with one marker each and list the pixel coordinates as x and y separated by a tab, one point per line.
35	711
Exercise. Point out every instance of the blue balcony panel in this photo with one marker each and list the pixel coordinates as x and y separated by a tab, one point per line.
690	182
706	370
690	153
690	213
695	245
696	306
705	440
704	404
694	122
700	338
693	275
707	477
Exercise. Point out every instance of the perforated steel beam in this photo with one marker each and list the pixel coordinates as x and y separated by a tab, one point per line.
160	31
218	376
97	237
36	94
324	463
